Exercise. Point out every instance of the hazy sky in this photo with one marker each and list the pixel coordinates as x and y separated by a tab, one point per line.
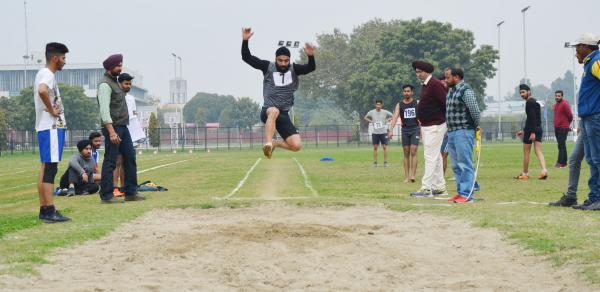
207	34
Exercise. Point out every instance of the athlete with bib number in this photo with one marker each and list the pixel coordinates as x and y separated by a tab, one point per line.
379	118
280	81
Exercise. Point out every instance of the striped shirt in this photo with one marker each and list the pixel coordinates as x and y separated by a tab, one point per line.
462	111
278	87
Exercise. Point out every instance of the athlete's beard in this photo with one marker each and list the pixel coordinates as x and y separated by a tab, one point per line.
282	69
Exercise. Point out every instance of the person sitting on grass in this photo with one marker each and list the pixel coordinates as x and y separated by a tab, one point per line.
96	141
79	177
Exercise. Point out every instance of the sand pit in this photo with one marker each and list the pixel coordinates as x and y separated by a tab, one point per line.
276	247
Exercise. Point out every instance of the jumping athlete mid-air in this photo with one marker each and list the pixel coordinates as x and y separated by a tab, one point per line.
280	83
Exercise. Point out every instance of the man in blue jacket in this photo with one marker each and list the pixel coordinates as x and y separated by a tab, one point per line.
589	111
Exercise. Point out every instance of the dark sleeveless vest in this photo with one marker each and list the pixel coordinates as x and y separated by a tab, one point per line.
118	104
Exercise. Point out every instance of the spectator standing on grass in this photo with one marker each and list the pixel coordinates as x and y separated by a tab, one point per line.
406	109
563	116
379	118
569	199
117	139
125	82
444	148
588	108
531	133
50	126
431	113
462	119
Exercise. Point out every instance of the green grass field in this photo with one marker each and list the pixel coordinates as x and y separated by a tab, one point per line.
203	180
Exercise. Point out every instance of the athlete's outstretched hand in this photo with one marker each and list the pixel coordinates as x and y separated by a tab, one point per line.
247	33
309	49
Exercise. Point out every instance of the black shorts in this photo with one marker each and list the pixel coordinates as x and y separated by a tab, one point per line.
380	138
527	133
410	136
283	123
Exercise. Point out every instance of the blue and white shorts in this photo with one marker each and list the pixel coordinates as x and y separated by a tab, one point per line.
51	143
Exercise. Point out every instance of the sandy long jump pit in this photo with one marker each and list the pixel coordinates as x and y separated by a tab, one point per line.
276	247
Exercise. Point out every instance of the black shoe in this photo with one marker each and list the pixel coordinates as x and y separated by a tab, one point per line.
595	206
564	201
112	200
580	207
135	197
71	192
54	217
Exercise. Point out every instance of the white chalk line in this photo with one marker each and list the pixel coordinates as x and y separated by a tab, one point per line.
16	172
243	181
306	180
264	199
161	166
19	186
518	203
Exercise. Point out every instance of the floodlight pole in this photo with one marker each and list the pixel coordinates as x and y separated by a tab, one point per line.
499	85
524	43
26	56
174	64
180	66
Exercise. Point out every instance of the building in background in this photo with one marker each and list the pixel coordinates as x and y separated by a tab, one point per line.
13	78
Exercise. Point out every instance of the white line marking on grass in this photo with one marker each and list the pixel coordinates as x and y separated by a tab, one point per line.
507	203
306	180
161	166
519	203
19	186
243	181
264	199
438	205
5	174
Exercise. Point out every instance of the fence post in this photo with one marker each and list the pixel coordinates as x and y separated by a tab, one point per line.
251	137
240	137
316	137
205	138
182	137
337	131
195	137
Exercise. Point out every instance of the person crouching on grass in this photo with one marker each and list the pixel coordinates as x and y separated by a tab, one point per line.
79	177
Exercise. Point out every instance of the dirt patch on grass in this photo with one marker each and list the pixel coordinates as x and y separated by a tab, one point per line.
279	247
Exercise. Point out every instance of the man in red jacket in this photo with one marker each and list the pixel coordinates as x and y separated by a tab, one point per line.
431	114
563	116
